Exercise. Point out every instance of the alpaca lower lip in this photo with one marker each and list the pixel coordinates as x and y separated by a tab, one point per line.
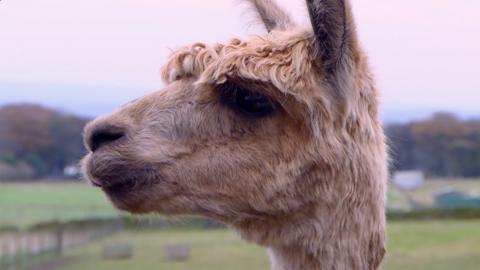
120	187
95	183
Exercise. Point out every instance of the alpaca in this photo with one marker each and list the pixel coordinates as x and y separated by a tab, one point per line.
277	136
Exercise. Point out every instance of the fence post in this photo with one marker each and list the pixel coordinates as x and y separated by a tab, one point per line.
59	241
3	252
13	249
23	250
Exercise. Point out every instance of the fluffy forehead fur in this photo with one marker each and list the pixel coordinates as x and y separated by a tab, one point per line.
278	58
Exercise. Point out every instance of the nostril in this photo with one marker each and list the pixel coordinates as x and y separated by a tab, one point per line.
102	136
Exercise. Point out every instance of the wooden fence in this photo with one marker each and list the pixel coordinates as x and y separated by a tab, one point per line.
24	249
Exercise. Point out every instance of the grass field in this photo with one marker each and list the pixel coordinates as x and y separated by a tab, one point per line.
31	203
432	245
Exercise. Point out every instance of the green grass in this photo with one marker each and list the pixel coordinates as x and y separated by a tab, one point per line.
435	245
431	245
31	203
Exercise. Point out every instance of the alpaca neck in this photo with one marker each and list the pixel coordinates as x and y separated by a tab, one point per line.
346	232
292	259
355	242
335	257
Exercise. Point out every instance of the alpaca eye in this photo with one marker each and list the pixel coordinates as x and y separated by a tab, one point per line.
247	102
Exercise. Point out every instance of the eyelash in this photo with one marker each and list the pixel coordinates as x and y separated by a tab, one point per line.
247	102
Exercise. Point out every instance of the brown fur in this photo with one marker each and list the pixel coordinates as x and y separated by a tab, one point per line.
307	182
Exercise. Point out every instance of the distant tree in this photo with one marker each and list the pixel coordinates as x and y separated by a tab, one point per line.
24	128
67	143
402	147
441	146
45	139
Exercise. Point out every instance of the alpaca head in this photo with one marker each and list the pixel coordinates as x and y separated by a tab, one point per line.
263	134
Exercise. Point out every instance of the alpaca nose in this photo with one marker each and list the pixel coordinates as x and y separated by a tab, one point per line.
103	135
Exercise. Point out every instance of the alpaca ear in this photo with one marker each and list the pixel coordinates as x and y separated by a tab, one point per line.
335	33
272	15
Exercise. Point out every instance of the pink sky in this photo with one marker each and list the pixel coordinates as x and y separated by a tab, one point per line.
424	52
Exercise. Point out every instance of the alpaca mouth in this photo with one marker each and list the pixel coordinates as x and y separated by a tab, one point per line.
123	194
121	187
117	179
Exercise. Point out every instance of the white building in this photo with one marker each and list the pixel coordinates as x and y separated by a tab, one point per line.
408	179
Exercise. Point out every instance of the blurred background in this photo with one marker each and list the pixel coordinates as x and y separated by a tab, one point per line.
62	63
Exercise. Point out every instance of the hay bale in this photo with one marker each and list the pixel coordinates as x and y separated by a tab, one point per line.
117	251
177	252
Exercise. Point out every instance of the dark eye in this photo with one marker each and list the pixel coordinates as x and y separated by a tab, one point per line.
247	102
